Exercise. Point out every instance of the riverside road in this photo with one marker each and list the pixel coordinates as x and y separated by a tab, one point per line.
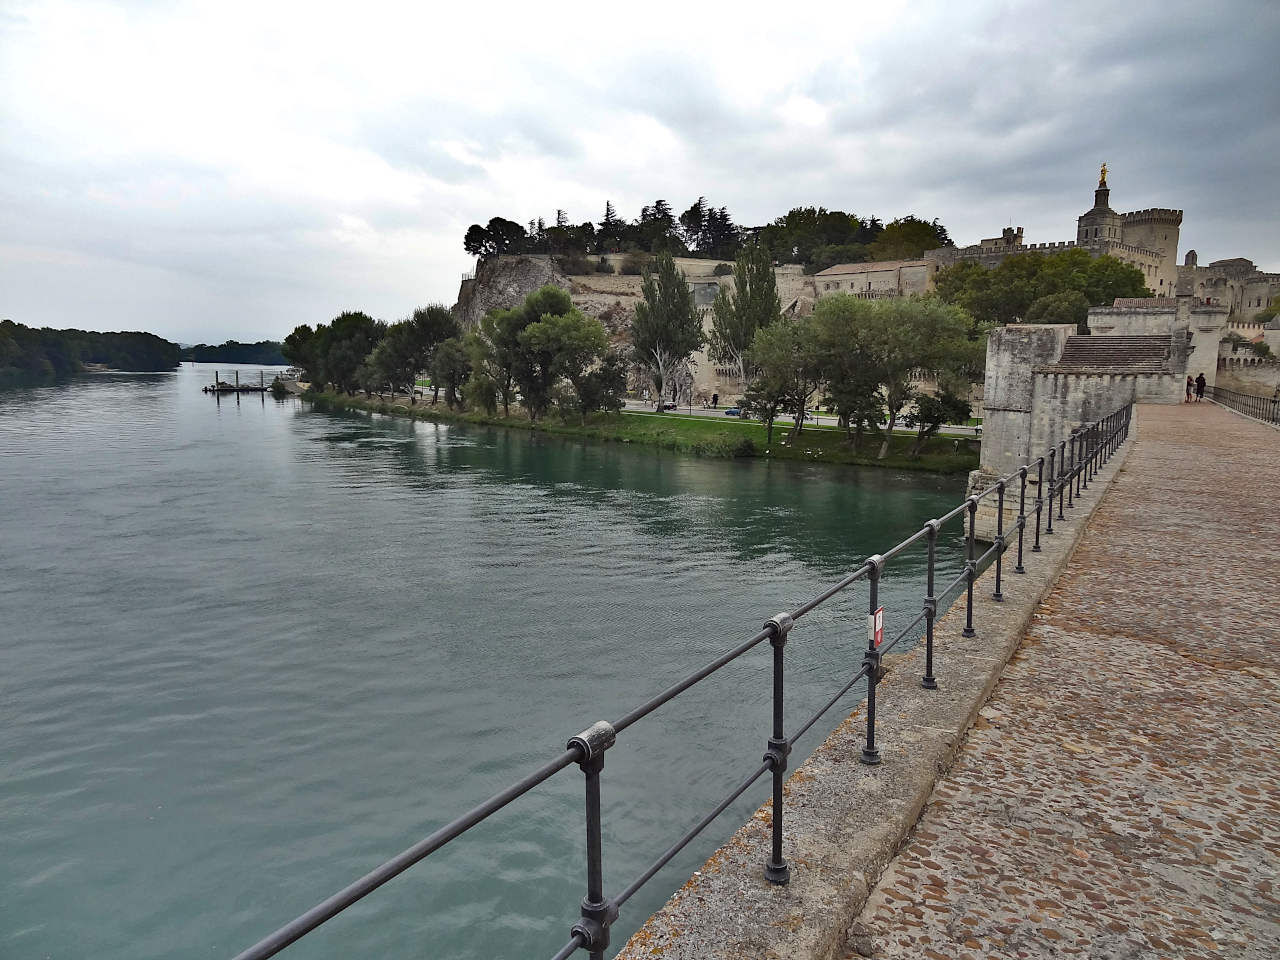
1119	796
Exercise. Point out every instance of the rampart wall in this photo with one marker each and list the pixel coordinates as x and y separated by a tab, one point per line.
1256	376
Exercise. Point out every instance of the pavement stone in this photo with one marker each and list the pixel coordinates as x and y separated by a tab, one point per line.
1119	795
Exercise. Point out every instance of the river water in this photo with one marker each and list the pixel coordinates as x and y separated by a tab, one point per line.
249	650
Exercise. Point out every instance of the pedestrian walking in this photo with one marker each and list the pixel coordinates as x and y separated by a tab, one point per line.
1191	385
1200	382
715	401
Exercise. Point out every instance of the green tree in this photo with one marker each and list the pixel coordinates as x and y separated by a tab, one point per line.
665	330
450	369
604	386
902	337
351	338
1067	306
785	373
501	330
565	346
753	305
852	387
301	348
1005	294
931	412
908	238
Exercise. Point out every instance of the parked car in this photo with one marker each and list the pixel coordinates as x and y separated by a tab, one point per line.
670	405
733	412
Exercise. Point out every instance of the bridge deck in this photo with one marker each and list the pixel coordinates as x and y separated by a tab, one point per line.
1120	795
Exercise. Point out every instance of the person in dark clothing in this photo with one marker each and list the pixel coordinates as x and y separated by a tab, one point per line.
1191	385
1200	382
715	400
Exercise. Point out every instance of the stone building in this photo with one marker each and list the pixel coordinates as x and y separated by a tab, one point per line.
1236	284
1146	239
877	280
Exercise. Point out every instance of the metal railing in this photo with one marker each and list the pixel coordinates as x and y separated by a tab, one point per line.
1266	409
1066	468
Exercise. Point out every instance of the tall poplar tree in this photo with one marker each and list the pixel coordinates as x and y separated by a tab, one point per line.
754	305
665	329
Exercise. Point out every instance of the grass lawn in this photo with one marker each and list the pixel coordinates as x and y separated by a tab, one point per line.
702	435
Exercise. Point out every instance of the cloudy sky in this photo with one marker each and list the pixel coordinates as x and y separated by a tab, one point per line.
228	169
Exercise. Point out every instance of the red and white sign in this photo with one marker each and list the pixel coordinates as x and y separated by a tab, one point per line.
875	627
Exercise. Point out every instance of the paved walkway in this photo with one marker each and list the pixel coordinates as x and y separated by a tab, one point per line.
1120	796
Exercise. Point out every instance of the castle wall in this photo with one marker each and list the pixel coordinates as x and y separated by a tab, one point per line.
1012	353
1251	375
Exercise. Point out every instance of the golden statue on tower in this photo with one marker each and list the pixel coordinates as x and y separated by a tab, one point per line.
1102	180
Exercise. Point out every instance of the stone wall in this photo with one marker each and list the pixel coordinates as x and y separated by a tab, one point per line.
1013	353
1252	375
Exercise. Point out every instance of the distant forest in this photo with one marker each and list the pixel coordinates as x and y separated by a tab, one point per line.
30	356
813	236
266	352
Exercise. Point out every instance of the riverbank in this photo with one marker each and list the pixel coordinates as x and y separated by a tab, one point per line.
700	436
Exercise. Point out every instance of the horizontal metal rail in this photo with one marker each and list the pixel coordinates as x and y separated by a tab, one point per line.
1063	472
1266	409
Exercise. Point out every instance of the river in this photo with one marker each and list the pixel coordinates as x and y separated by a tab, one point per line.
249	650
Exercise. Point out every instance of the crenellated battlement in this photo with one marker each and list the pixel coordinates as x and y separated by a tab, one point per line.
1154	215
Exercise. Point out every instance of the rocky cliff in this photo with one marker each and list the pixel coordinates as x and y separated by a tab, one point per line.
503	282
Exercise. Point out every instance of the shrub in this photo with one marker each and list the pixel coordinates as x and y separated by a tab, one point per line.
575	264
634	265
722	270
604	266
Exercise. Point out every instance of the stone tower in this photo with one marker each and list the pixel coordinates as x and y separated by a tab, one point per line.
1101	223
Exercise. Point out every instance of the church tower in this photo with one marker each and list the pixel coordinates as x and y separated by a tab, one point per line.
1100	223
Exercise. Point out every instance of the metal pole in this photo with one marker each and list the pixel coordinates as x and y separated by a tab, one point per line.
1035	548
1071	477
776	869
1062	476
1022	517
929	681
597	913
1052	490
998	596
871	661
970	567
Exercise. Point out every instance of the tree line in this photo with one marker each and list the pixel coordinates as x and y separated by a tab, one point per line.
29	355
812	236
544	354
868	361
266	352
1040	288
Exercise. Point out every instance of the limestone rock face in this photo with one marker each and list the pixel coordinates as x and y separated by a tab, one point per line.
502	283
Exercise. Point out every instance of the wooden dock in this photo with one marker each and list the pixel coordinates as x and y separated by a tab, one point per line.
219	386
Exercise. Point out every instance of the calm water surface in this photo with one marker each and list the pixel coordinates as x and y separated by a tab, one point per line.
248	651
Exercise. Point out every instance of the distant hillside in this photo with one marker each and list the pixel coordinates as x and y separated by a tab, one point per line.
266	352
31	356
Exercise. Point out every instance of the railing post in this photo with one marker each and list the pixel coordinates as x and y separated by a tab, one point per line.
929	681
871	660
1048	530
1062	479
776	869
1035	547
597	913
1022	517
970	568
997	595
1071	476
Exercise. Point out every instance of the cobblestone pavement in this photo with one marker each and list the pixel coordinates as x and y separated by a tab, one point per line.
1119	796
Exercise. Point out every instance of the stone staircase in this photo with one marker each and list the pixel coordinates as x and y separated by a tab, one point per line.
1118	354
